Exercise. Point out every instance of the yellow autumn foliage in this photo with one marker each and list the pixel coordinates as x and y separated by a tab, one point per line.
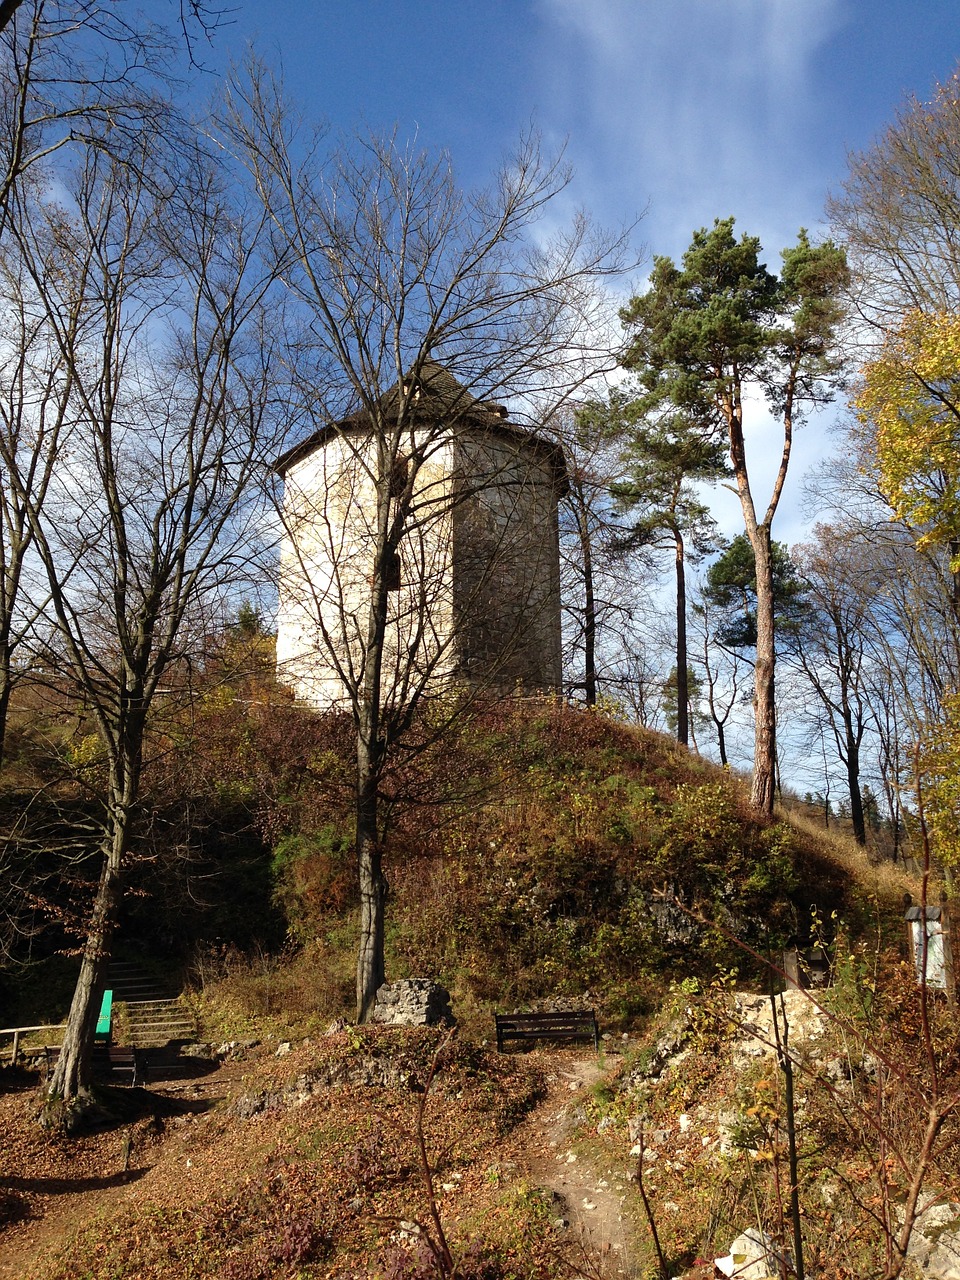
939	780
910	397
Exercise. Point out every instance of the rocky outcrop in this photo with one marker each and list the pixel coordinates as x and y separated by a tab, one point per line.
935	1242
366	1071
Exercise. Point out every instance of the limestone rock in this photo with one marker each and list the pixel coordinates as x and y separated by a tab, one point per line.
753	1256
935	1242
413	1002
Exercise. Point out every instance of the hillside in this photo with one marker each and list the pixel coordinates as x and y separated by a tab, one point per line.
539	853
304	1162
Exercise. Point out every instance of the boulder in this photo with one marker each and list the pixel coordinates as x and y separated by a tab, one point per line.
753	1256
413	1002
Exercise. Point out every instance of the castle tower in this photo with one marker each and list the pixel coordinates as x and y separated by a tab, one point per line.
475	583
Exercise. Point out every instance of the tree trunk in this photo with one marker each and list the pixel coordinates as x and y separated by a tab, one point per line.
853	777
589	616
7	9
72	1074
765	746
371	967
683	692
373	893
5	686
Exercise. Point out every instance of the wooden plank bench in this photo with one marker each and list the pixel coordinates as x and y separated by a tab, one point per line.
104	1031
571	1025
109	1060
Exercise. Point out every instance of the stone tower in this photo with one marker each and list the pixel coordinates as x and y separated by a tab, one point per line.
475	584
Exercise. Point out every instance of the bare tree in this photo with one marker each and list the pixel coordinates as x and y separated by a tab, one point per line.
899	212
73	74
152	299
898	603
721	670
602	583
393	266
35	414
829	647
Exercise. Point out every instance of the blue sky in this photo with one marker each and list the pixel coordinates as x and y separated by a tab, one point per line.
689	109
680	110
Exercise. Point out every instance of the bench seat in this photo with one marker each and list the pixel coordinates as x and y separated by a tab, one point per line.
575	1025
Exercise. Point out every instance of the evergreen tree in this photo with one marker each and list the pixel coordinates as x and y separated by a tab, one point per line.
702	335
667	453
731	586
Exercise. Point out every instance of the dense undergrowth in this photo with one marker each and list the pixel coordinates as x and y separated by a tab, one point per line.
872	1063
544	850
533	850
536	850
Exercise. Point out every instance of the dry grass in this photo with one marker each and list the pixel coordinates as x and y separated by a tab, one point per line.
880	879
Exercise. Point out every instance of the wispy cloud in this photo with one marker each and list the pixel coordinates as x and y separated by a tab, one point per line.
702	108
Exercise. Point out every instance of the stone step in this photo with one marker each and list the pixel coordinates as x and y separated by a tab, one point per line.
148	1024
131	982
140	992
153	1003
155	1013
160	1035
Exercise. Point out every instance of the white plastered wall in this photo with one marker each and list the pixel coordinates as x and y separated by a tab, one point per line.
326	567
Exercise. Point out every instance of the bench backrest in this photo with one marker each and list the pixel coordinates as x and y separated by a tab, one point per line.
560	1025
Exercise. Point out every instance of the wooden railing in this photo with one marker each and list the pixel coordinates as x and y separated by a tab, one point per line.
17	1032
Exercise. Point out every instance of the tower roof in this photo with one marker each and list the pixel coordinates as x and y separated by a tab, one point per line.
437	395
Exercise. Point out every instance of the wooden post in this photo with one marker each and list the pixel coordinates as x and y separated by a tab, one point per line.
16	1048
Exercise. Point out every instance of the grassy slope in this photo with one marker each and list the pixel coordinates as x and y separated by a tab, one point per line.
524	859
541	851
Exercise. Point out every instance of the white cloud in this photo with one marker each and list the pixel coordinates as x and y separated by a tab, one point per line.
701	107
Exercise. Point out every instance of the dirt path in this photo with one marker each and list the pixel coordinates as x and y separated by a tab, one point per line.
64	1186
589	1199
50	1188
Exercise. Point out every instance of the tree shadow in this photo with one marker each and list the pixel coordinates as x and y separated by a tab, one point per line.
19	1079
73	1186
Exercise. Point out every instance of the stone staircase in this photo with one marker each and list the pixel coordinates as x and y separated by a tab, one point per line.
155	1010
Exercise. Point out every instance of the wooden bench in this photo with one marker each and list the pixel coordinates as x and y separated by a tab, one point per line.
575	1025
108	1060
124	1059
104	1031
